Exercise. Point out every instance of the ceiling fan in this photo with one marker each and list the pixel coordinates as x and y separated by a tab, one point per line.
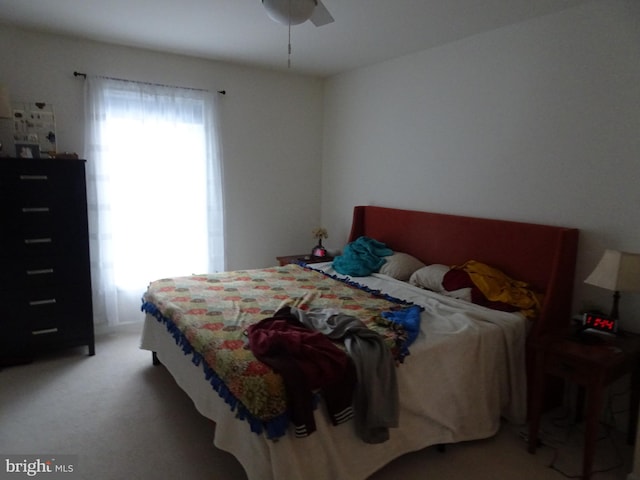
294	12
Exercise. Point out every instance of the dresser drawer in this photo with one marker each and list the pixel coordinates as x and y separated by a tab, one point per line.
19	217
45	181
42	271
42	241
21	340
62	310
62	228
68	328
40	245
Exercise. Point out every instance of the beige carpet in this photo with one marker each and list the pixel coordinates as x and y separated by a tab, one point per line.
125	419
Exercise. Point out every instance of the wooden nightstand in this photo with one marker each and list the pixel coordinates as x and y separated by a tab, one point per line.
302	258
593	367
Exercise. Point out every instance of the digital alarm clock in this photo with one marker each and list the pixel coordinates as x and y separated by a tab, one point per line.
600	322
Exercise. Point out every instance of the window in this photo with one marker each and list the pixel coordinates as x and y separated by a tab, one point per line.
155	190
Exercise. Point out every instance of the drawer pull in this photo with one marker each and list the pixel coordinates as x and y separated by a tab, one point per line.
36	210
33	241
42	271
34	177
36	303
44	331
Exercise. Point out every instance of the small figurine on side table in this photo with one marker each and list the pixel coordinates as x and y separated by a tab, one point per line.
319	251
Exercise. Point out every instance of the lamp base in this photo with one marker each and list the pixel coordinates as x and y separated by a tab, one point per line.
614	308
319	251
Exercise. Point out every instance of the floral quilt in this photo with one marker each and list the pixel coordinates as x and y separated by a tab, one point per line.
208	316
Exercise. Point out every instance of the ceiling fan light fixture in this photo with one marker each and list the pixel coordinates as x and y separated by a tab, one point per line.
289	12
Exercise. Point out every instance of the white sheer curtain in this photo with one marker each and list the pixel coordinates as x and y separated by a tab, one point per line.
155	190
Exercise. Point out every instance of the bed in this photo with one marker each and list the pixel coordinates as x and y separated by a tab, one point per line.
465	369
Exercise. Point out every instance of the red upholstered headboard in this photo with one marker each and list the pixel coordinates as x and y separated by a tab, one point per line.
542	255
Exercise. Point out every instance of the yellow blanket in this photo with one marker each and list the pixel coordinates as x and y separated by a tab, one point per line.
499	287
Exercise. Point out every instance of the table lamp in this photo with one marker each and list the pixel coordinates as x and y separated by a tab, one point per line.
617	271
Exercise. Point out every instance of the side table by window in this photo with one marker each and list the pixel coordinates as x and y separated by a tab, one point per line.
301	258
593	367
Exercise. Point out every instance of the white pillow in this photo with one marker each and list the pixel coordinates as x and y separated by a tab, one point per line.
430	277
400	266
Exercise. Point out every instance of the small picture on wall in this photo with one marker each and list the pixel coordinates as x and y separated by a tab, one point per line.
35	123
27	150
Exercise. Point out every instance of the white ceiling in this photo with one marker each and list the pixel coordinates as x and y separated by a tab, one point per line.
364	31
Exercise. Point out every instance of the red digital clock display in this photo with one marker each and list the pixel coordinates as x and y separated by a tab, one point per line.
600	322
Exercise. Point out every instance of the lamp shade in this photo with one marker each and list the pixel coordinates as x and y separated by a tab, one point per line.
289	12
618	271
5	104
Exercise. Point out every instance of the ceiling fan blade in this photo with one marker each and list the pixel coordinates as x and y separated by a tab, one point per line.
321	15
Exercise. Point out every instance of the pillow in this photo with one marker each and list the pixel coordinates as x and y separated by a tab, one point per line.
430	277
400	266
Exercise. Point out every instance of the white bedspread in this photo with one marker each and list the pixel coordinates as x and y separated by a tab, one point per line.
466	370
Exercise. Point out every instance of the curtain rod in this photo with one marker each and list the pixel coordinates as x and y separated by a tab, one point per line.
84	75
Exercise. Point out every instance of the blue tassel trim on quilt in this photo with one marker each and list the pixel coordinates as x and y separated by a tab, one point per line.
277	427
274	428
353	283
408	318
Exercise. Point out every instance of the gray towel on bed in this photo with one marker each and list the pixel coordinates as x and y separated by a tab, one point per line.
376	400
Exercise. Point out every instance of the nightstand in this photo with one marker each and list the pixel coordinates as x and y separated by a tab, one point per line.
592	366
302	258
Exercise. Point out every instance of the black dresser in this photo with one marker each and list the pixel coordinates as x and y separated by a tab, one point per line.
45	280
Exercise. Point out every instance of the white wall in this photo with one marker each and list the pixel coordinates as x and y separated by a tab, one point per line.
271	125
535	122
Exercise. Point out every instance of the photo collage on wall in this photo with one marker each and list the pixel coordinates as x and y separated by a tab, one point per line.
34	130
